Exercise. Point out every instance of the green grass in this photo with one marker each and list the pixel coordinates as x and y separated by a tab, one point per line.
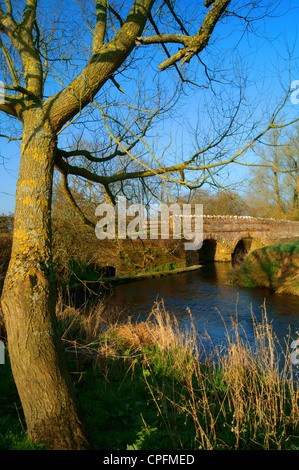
119	411
148	390
142	387
275	267
153	403
13	435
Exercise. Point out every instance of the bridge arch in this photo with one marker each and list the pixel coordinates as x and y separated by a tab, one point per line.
107	271
208	250
242	246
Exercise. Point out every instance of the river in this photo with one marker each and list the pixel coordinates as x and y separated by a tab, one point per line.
212	302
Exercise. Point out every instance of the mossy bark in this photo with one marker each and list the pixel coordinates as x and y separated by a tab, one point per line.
51	410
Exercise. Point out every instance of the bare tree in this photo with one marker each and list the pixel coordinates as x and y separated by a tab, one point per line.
274	183
291	165
40	43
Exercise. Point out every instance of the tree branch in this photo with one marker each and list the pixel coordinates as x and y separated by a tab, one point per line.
100	29
8	7
163	39
193	44
7	24
10	64
72	202
188	165
88	155
21	38
208	3
21	90
177	19
68	102
10	139
117	16
67	169
29	15
9	108
164	47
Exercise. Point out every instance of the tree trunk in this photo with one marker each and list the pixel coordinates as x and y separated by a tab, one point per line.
51	410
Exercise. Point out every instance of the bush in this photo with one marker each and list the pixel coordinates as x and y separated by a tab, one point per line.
275	267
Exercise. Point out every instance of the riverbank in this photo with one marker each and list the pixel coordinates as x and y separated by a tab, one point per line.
148	275
275	267
142	386
92	285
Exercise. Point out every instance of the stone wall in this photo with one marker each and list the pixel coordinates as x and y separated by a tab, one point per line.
228	231
229	225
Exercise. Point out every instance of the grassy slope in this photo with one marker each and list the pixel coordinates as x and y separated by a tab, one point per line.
275	267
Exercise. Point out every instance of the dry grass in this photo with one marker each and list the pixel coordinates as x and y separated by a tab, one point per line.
259	388
243	396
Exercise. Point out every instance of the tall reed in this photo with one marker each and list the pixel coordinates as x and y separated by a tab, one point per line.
242	395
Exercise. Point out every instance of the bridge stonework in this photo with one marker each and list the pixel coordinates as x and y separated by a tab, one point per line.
226	236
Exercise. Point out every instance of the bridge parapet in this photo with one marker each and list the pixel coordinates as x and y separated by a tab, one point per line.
270	228
234	234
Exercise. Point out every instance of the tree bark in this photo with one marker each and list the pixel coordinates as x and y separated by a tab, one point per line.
39	367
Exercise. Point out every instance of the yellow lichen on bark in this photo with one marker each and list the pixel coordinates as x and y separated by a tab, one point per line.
29	183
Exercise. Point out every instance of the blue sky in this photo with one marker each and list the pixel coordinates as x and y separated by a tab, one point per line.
266	60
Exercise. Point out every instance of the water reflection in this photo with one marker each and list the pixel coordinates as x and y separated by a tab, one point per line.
212	302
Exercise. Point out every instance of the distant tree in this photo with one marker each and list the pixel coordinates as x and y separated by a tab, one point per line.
6	224
274	186
291	167
217	202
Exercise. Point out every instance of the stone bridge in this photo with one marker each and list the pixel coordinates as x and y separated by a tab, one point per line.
225	238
